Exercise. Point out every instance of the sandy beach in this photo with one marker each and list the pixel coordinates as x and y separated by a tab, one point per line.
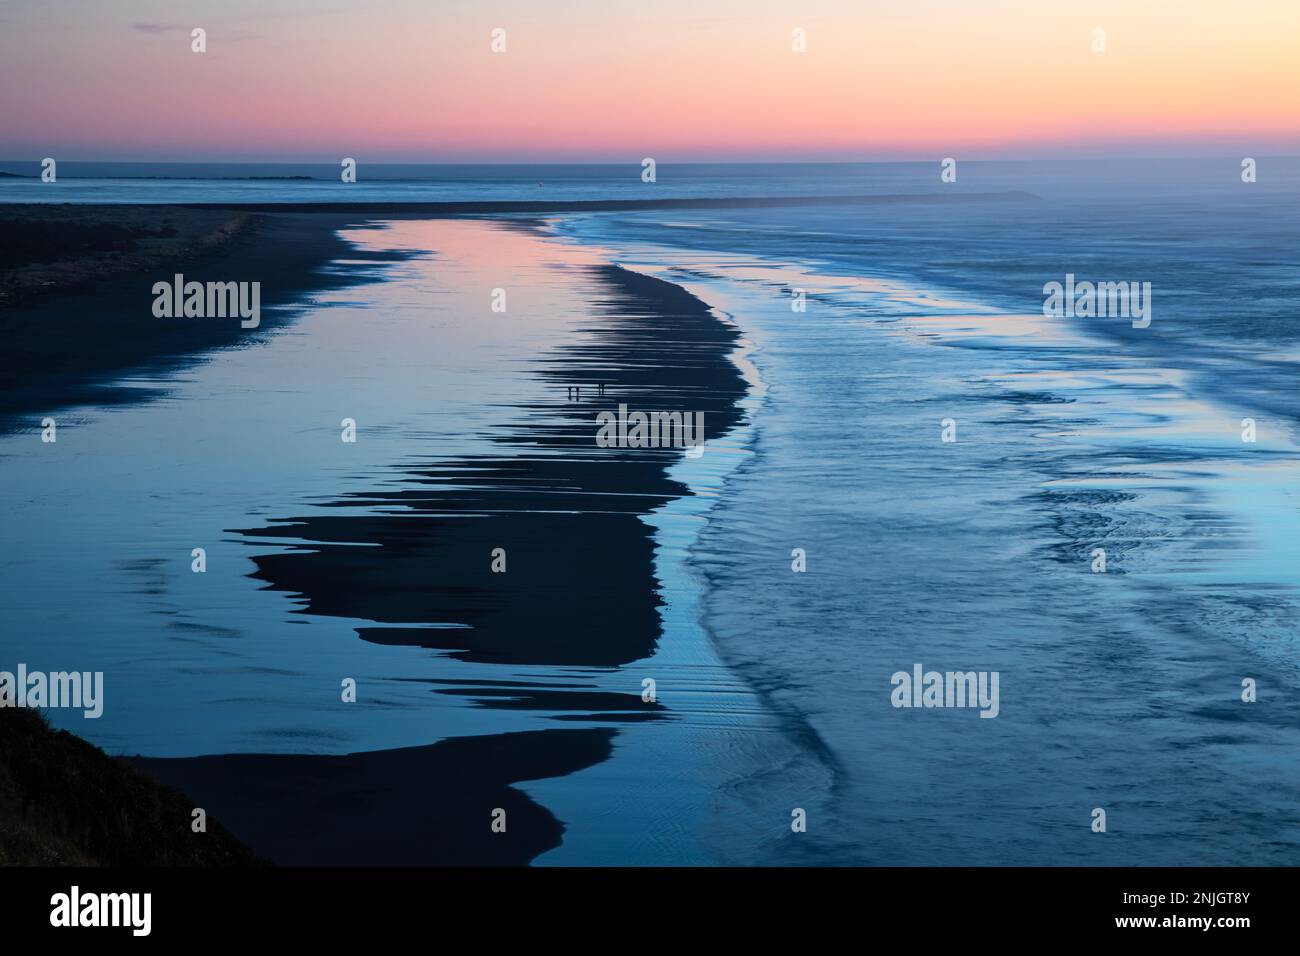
75	305
492	456
613	645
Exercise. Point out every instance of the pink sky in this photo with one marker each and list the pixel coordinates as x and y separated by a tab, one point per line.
618	80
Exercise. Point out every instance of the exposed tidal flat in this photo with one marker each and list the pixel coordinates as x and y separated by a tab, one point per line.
524	690
372	560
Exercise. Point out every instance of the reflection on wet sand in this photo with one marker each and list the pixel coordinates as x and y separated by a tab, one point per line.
417	806
578	586
578	590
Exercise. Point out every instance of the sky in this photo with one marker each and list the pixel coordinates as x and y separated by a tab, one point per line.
619	80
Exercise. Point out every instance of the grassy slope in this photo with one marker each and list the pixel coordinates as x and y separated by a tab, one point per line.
64	801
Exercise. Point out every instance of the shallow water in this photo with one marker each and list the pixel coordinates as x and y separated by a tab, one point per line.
1118	690
97	552
1119	182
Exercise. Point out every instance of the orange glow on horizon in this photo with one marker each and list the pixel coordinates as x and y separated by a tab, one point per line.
623	80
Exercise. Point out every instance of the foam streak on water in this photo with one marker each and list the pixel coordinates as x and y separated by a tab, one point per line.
1118	690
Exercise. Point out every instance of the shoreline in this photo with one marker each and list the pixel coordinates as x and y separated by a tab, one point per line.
66	344
121	249
348	798
423	210
390	807
582	593
1080	483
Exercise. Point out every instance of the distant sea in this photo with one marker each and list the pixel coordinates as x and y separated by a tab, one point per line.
378	182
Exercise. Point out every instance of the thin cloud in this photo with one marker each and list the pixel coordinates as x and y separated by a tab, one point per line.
158	27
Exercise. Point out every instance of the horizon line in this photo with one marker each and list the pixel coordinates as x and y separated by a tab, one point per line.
637	162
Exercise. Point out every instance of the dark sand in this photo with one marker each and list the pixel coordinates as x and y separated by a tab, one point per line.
580	591
64	341
581	587
76	279
50	248
418	806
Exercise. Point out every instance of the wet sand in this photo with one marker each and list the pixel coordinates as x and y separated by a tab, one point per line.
567	514
77	308
76	279
581	591
417	806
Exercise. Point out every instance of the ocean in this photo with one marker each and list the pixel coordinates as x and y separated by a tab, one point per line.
944	460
